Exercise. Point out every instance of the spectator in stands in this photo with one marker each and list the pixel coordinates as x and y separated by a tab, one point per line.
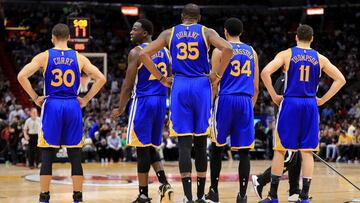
114	144
352	129
331	150
31	129
15	130
343	146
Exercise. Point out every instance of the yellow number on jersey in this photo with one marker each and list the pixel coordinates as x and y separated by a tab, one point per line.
162	67
305	71
236	71
60	78
188	51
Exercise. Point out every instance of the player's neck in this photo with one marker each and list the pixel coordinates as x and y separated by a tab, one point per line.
303	45
61	46
146	40
189	22
233	39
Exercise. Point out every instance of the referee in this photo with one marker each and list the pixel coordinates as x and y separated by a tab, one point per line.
31	129
292	163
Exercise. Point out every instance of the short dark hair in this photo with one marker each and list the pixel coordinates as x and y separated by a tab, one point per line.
60	31
304	32
146	25
233	26
191	10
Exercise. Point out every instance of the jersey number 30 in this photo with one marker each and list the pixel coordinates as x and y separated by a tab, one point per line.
236	71
60	78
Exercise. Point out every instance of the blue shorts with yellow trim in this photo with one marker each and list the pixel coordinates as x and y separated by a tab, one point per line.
62	123
146	121
234	117
190	106
297	126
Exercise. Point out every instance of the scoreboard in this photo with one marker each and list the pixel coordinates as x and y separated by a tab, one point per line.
79	32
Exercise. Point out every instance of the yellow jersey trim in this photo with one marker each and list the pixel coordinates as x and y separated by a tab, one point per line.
173	133
171	36
46	61
77	60
141	64
286	68
80	145
204	36
42	143
252	146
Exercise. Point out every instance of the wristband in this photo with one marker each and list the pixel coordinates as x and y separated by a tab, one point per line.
217	75
162	77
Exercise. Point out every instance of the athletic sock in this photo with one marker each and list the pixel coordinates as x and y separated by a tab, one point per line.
143	190
305	190
274	185
161	177
200	187
244	171
187	188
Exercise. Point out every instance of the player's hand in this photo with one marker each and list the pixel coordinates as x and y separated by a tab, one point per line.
214	88
320	101
116	112
83	101
277	99
167	81
214	79
40	100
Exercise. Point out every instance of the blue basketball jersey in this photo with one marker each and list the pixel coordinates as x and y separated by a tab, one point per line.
146	84
189	50
302	77
62	74
238	77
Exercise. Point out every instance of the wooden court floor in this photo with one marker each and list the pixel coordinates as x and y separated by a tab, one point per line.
117	183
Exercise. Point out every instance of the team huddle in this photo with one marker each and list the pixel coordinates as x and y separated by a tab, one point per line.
207	98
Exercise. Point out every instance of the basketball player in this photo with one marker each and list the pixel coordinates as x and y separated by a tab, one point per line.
148	109
297	126
61	107
233	111
190	107
292	162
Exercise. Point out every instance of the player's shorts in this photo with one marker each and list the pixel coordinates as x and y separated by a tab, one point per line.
234	117
190	106
62	124
297	126
146	121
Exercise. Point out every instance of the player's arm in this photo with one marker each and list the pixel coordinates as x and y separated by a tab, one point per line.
269	69
256	79
30	69
226	53
215	62
94	73
128	83
335	74
150	50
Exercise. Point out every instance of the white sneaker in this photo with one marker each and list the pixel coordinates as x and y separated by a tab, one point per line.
293	198
255	184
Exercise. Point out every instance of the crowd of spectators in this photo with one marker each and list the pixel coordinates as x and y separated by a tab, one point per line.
105	141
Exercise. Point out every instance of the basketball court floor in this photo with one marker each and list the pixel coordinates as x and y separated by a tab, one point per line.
117	183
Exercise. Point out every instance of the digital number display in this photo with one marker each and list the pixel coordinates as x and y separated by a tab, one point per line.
79	29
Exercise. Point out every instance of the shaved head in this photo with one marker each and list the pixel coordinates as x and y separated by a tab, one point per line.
191	11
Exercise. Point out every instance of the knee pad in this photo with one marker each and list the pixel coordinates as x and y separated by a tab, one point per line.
200	144
143	159
185	145
154	155
47	156
74	155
